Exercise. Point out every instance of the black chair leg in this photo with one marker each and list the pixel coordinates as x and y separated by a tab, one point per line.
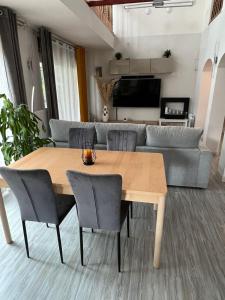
47	225
81	246
118	250
25	238
131	210
92	230
128	224
59	243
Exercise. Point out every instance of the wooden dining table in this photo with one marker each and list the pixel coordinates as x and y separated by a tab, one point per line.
143	177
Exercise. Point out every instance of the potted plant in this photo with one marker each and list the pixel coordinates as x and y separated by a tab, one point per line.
118	55
19	131
167	53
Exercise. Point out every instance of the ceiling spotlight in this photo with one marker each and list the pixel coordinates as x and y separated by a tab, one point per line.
168	10
148	11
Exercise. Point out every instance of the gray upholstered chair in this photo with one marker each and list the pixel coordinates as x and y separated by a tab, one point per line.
80	138
121	140
99	204
37	200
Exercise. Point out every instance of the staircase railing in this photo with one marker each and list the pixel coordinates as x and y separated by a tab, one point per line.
216	9
105	14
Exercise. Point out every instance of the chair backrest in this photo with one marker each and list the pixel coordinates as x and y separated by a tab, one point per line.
34	192
81	138
98	199
121	140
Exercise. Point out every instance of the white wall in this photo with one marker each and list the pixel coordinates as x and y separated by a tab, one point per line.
204	94
29	53
182	20
212	44
147	36
217	114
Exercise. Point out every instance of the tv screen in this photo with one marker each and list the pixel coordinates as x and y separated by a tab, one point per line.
137	92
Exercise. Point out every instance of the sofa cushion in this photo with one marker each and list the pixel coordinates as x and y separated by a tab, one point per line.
60	128
173	136
103	128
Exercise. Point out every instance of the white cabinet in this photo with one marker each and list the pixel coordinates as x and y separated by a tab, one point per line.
119	67
161	65
141	66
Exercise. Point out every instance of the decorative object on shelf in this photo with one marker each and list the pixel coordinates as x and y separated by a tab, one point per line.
98	71
105	115
118	55
215	59
174	108
167	53
19	131
88	156
191	119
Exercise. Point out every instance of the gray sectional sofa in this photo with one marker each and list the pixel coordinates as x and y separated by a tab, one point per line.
187	164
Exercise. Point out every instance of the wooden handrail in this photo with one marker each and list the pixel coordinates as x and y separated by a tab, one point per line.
105	15
216	9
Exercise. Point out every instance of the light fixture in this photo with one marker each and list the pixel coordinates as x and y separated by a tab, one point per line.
168	10
161	4
148	11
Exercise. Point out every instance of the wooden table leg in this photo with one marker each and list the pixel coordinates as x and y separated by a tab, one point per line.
4	219
159	232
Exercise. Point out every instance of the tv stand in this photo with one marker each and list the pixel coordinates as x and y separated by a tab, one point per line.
164	122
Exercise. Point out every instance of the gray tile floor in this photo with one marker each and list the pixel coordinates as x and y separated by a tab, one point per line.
193	254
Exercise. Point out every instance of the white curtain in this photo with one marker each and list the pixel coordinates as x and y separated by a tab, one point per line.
66	81
4	82
4	88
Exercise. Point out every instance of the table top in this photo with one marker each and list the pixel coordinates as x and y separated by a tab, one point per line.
143	173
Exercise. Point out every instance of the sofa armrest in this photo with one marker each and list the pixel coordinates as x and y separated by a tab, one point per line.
204	168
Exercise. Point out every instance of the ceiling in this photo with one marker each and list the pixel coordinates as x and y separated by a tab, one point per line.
66	19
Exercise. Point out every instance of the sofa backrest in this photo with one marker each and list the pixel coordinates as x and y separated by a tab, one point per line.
60	129
103	128
173	136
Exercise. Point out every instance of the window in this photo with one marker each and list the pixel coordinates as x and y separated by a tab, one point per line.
66	81
4	85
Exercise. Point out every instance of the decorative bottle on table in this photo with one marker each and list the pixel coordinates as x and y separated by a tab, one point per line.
88	156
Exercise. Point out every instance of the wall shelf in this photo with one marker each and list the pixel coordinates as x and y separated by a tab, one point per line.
141	66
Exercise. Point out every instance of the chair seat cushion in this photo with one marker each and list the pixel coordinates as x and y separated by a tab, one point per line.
64	204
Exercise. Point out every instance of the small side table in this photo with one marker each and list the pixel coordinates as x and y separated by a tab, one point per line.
171	121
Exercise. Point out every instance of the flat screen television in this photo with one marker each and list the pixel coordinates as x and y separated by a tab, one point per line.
137	92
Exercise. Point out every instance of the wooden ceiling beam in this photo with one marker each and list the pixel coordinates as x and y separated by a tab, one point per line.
115	2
